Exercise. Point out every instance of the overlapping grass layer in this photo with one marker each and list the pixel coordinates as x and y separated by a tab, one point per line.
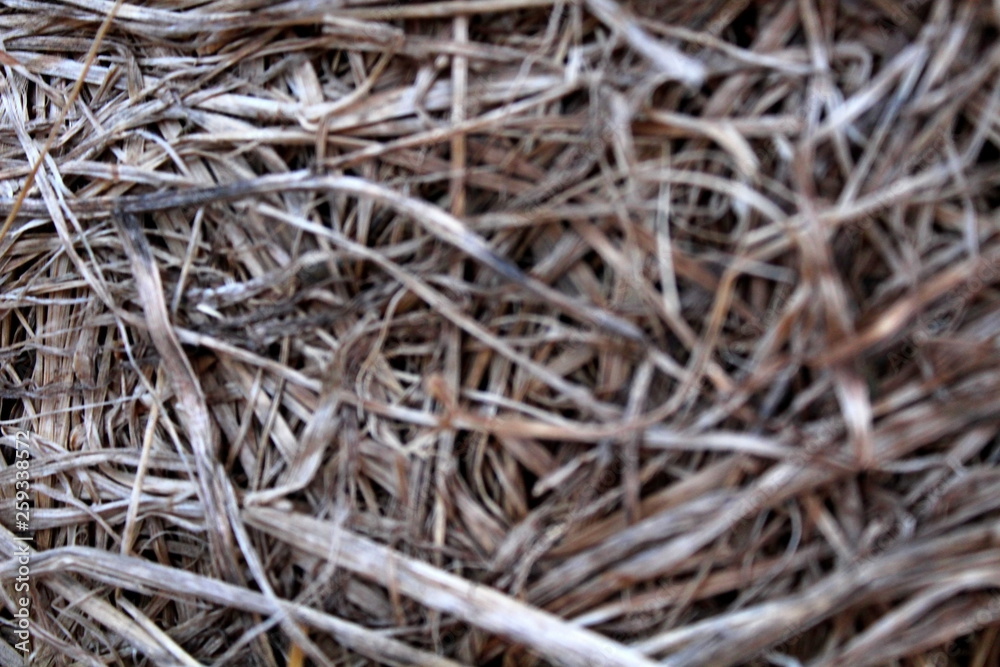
510	332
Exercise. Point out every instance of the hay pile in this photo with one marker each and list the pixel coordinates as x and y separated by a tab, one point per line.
510	332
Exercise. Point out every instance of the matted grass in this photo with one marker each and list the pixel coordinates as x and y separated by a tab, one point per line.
502	332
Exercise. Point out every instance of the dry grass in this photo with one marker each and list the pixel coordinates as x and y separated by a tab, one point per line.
510	332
